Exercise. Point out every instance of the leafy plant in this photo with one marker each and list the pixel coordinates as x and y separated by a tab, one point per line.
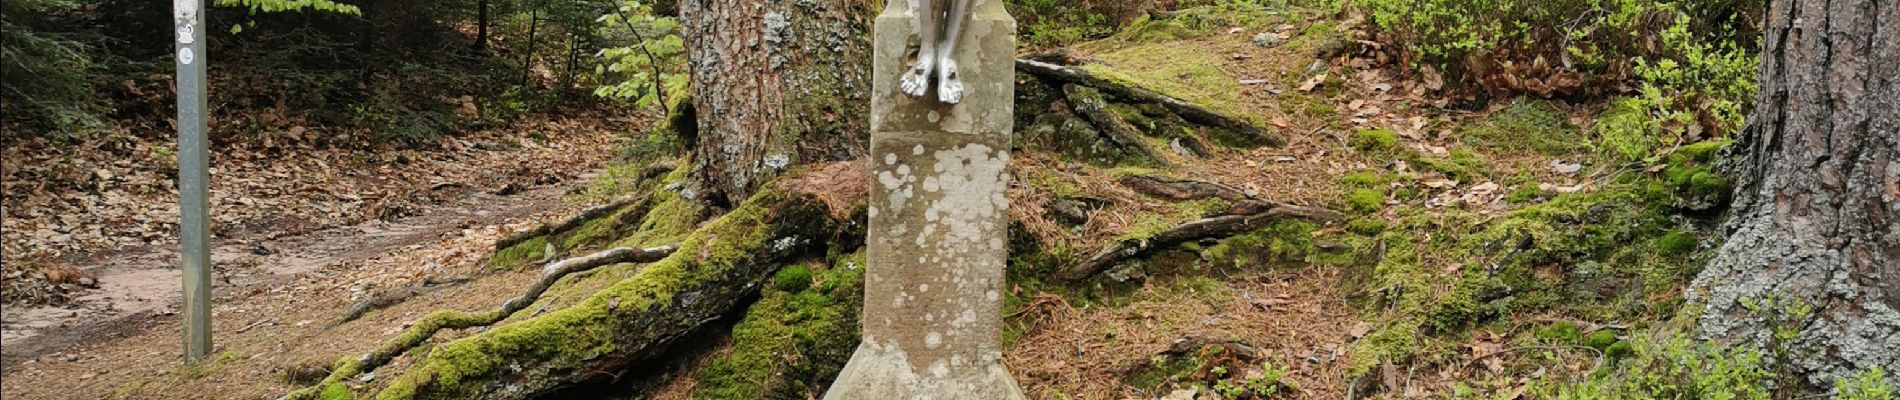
651	66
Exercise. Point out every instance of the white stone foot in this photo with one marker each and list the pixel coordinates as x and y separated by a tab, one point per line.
917	81
949	87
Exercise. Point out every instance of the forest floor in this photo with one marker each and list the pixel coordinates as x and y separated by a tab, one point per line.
1310	324
302	235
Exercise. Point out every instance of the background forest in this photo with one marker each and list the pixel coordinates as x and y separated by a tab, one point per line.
1517	195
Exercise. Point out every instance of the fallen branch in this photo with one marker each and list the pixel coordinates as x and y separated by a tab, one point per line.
1089	103
425	328
1189	111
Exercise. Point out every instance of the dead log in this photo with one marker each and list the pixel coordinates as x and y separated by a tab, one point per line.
1188	111
426	328
1090	104
634	320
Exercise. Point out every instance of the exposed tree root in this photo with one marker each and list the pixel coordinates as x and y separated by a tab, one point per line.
422	330
1182	190
633	320
1247	214
564	225
1189	111
392	297
1089	103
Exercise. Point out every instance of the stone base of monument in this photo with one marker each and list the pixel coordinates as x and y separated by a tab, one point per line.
939	220
882	372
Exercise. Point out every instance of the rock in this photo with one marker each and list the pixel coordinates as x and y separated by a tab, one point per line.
1264	39
1566	168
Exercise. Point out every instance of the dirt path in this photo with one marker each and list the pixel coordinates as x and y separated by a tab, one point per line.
272	311
143	283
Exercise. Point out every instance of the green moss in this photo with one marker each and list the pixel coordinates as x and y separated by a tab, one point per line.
528	251
1527	125
1462	164
791	342
1366	226
1151	224
1364	180
1524	194
1395	342
1279	244
1601	339
793	278
1700	152
1625	132
707	261
1676	243
1561	332
1182	72
1366	200
1163	370
1375	141
336	391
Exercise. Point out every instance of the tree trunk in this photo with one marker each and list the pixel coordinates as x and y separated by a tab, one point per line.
1816	219
481	25
775	83
527	56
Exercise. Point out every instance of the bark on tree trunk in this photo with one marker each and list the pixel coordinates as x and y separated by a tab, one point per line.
775	83
481	25
1817	212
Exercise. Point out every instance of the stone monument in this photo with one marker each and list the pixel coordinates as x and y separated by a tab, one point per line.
938	209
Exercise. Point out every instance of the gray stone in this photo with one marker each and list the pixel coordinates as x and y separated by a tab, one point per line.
939	221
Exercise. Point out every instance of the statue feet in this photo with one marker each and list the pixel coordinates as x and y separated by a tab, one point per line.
917	81
949	87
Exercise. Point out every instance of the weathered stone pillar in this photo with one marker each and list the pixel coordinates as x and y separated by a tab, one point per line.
939	221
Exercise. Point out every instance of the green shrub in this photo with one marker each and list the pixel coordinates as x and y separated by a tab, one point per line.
1694	61
1676	368
1872	384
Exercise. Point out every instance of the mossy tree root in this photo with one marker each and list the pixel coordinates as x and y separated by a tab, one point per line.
1188	111
1094	108
1247	214
591	213
422	330
633	320
392	297
1181	189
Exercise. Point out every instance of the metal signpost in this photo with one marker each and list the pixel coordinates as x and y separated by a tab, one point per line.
193	177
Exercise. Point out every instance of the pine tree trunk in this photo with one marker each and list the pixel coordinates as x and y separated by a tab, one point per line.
481	25
775	83
1816	219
